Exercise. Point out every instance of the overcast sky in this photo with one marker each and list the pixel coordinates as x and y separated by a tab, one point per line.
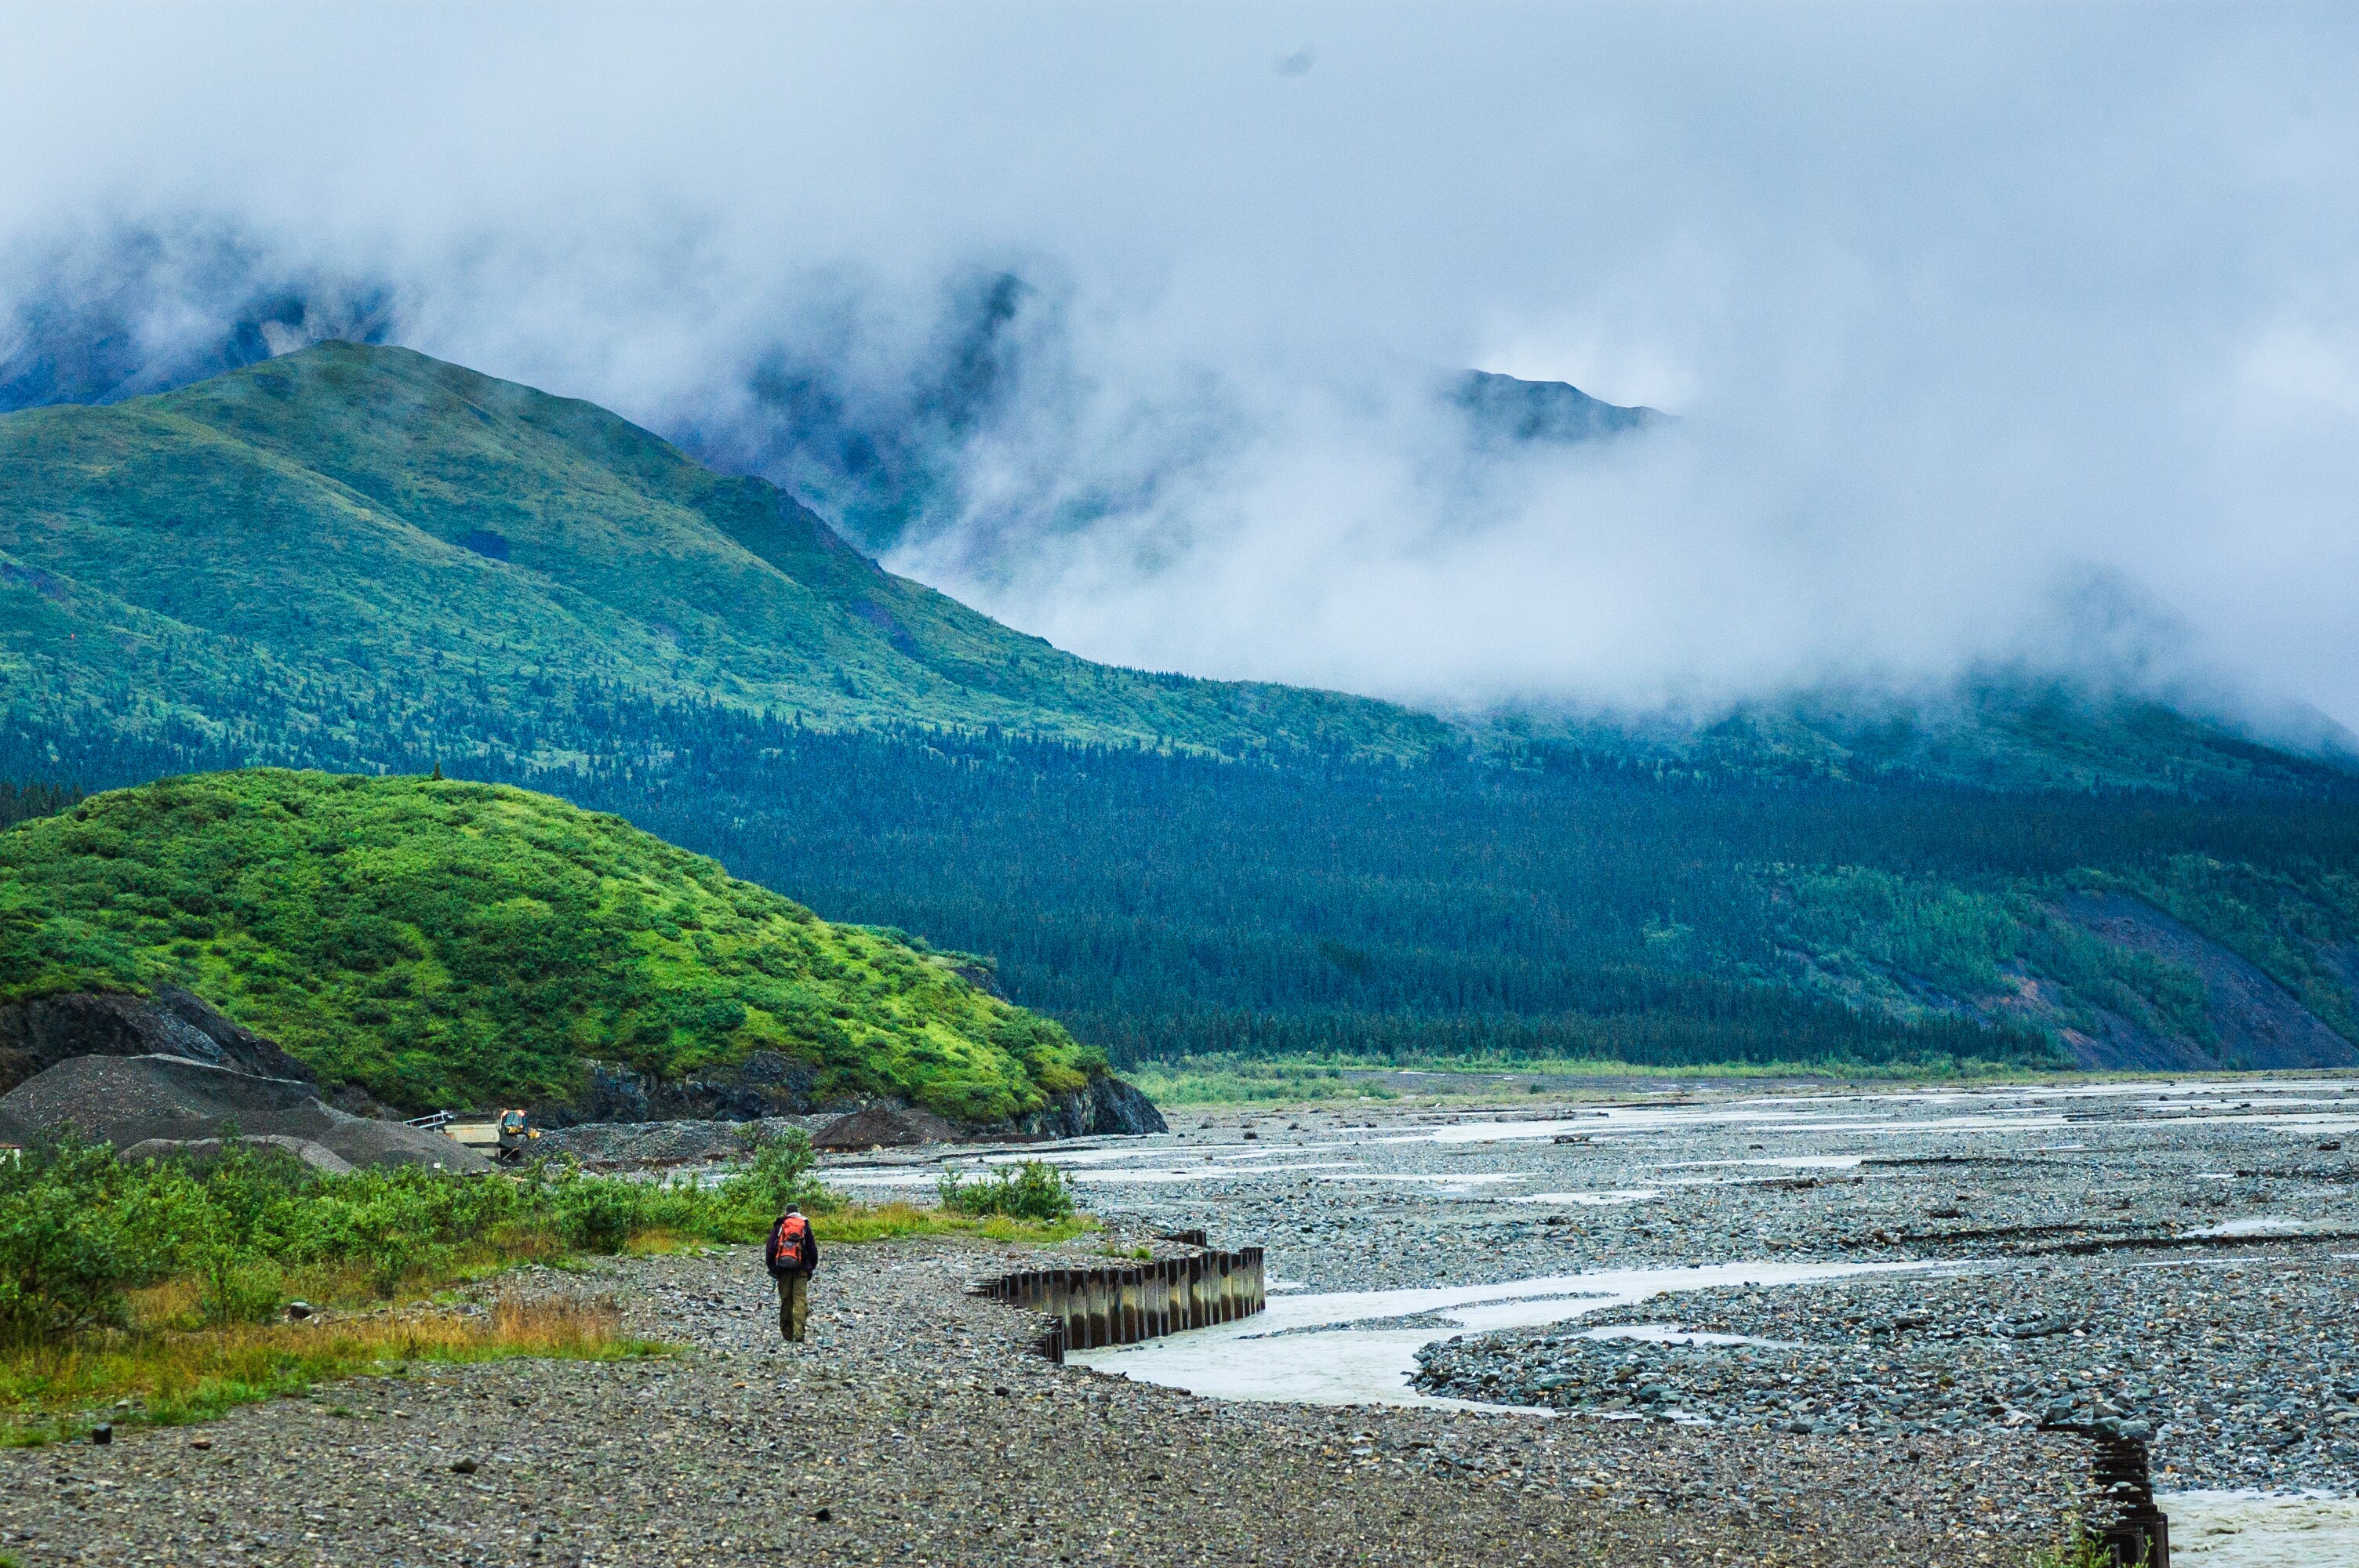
1996	332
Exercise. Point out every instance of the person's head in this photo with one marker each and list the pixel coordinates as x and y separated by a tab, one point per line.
792	1208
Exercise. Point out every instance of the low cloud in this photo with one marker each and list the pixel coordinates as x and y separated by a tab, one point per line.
1995	337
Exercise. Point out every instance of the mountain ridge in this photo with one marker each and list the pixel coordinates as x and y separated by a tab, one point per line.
365	561
321	519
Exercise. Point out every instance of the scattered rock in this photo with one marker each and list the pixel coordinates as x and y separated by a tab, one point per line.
886	1125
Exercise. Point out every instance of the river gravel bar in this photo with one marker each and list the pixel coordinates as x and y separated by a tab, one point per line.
918	1426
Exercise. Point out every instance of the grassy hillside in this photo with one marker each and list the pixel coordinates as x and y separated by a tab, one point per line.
443	943
354	545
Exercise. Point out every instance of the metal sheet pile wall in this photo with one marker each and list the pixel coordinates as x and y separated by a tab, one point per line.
1125	1304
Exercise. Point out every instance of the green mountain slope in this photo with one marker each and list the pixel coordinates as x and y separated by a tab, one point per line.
367	561
352	541
1574	904
441	943
1998	729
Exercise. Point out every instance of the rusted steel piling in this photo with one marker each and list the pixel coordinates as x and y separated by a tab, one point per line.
1144	1301
2127	1525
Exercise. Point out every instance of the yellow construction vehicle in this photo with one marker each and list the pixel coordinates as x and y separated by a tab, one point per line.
508	1139
516	1132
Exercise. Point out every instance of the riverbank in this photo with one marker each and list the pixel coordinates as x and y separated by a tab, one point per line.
1848	1212
915	1426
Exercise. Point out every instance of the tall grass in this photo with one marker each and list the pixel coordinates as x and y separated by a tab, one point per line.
171	1375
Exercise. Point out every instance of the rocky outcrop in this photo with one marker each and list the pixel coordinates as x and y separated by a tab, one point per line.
37	1035
770	1085
764	1084
1107	1107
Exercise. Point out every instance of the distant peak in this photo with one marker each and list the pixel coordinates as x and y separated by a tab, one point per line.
1557	412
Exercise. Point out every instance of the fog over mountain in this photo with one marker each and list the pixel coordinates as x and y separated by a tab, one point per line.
1994	337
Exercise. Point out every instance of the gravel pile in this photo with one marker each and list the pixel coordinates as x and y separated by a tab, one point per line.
130	1100
203	1151
914	1428
2241	1373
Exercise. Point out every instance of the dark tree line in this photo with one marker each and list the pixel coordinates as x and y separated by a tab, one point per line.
1570	901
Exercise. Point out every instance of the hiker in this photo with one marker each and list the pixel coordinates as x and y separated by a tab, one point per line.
791	1255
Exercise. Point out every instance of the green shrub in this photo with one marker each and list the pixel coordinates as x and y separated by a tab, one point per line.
238	1288
71	1246
1032	1190
779	1174
599	1217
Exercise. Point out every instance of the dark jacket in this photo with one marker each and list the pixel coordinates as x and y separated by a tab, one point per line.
803	1257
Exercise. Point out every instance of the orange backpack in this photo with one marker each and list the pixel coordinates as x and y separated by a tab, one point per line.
787	1241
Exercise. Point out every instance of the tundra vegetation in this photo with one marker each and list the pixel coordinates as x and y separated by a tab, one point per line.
168	1285
441	943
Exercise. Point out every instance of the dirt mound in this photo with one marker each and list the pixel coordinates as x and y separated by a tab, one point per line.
204	1151
37	1035
129	1100
885	1125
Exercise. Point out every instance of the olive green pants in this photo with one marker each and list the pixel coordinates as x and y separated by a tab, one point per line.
794	1302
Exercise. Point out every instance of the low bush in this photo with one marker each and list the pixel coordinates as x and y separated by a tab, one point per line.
778	1174
77	1232
1033	1190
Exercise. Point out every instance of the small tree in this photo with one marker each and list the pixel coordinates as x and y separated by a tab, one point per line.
67	1257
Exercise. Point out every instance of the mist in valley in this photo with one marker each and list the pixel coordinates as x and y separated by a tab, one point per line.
1990	341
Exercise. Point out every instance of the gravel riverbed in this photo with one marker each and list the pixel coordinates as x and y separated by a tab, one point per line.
914	1427
918	1427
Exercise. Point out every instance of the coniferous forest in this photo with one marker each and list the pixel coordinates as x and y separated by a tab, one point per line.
1558	902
